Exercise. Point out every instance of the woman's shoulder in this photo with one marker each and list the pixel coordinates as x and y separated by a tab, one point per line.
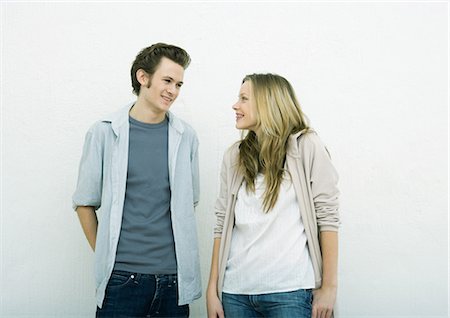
309	138
310	144
300	140
231	153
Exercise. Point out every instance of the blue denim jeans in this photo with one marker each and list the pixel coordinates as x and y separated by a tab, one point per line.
296	303
141	295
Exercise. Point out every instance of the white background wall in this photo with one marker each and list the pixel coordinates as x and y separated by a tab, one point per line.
373	79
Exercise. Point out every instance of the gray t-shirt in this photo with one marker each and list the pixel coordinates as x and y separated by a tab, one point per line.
146	243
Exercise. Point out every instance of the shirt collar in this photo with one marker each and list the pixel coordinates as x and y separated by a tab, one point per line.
120	117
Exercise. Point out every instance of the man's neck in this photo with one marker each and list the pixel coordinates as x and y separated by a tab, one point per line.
143	113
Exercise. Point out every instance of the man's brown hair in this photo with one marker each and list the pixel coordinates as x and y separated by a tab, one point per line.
149	58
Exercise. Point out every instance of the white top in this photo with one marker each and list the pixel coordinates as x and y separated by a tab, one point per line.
268	252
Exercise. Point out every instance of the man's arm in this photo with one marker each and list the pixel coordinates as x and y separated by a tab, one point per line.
89	223
88	194
195	172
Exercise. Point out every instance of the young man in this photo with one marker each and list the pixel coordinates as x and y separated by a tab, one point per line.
139	173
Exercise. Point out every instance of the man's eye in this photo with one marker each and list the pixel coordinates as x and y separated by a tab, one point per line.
179	85
167	81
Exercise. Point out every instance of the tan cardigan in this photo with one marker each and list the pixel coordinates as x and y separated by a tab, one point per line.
315	183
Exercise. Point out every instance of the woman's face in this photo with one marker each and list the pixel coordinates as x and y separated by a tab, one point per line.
245	108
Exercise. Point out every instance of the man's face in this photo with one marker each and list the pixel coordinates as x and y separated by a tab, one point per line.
164	86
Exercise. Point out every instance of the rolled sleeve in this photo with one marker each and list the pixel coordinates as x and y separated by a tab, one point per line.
195	172
324	180
89	185
221	202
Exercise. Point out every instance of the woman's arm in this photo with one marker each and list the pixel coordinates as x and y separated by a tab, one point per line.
213	304
324	179
325	296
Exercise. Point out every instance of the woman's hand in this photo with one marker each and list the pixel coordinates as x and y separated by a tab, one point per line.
323	302
214	306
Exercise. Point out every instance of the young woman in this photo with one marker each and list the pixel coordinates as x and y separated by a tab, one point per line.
276	244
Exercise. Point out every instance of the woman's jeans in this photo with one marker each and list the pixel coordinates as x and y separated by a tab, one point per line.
281	305
141	295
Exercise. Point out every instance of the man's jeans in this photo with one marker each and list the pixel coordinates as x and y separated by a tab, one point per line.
141	295
281	305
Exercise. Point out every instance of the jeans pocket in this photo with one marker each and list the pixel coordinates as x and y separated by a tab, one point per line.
305	298
120	279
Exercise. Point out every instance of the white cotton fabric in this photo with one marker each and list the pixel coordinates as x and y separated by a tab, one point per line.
268	252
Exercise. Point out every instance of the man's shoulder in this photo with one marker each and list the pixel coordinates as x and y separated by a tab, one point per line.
100	127
188	130
119	114
103	125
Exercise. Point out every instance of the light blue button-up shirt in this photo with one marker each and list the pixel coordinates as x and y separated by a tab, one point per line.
102	181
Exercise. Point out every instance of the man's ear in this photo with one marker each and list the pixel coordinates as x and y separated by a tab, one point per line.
142	77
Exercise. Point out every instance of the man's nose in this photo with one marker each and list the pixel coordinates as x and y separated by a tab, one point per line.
170	89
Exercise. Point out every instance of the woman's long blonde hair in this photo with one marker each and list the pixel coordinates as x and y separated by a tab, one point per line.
278	116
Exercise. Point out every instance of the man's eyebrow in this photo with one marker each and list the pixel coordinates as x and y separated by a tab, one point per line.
180	82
